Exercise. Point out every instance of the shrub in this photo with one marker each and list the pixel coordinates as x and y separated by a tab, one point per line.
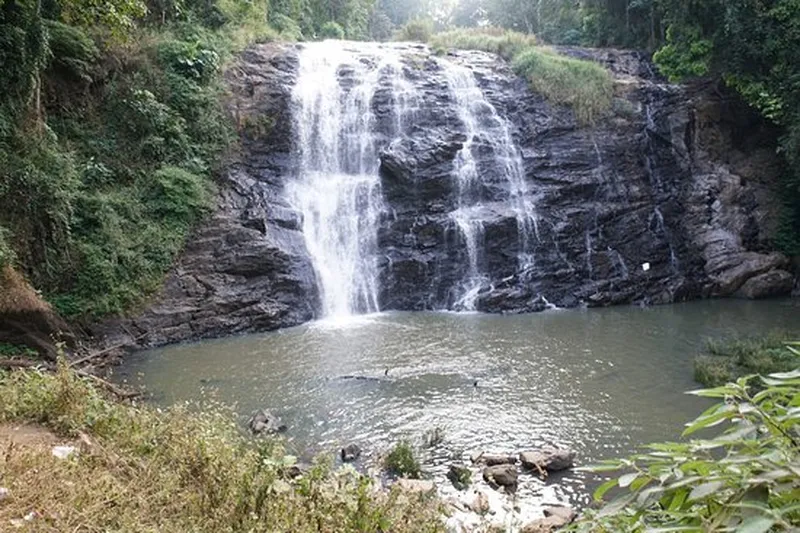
73	52
7	254
176	470
401	461
331	30
419	30
177	196
287	26
586	87
744	479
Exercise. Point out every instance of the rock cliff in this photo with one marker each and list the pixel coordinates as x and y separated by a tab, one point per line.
668	198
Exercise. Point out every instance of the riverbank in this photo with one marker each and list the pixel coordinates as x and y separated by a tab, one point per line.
126	467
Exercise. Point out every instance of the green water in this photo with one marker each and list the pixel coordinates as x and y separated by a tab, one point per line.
601	381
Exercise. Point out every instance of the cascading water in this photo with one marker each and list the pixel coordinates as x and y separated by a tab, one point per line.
338	188
485	128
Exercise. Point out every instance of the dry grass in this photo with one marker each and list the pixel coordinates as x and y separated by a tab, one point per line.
505	43
180	470
17	296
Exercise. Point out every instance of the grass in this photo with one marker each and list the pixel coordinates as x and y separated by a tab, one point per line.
179	470
401	461
585	86
505	43
725	360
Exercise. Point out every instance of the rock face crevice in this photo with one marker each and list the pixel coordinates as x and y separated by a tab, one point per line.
668	198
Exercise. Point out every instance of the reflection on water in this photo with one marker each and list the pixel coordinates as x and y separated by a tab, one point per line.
601	381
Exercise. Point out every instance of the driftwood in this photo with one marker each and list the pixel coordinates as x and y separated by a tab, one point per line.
97	355
10	364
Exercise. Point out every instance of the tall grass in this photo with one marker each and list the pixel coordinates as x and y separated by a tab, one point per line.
505	43
725	360
140	469
585	86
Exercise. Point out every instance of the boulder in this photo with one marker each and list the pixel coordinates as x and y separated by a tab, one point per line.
767	285
504	475
460	476
554	518
416	486
550	459
264	422
480	503
350	453
490	459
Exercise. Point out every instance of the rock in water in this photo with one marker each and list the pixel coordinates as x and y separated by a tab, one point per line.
496	459
501	476
550	459
350	453
460	476
554	518
264	422
418	486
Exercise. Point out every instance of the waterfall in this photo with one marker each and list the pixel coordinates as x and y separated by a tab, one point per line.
338	187
485	128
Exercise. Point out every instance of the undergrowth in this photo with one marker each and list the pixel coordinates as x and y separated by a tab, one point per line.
743	478
585	86
177	470
99	191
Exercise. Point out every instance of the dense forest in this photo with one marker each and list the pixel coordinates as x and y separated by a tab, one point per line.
112	126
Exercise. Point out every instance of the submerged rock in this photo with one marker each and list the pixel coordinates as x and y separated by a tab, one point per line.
554	518
550	459
266	423
490	459
501	476
350	453
767	285
459	476
419	486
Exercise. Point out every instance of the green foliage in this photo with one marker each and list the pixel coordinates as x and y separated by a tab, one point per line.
743	479
115	16
16	350
331	30
685	55
726	361
73	52
287	26
177	470
419	30
402	462
7	253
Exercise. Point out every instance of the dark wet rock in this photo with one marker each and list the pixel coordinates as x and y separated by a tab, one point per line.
264	422
554	518
501	476
460	476
492	459
767	285
350	453
679	178
246	267
550	459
